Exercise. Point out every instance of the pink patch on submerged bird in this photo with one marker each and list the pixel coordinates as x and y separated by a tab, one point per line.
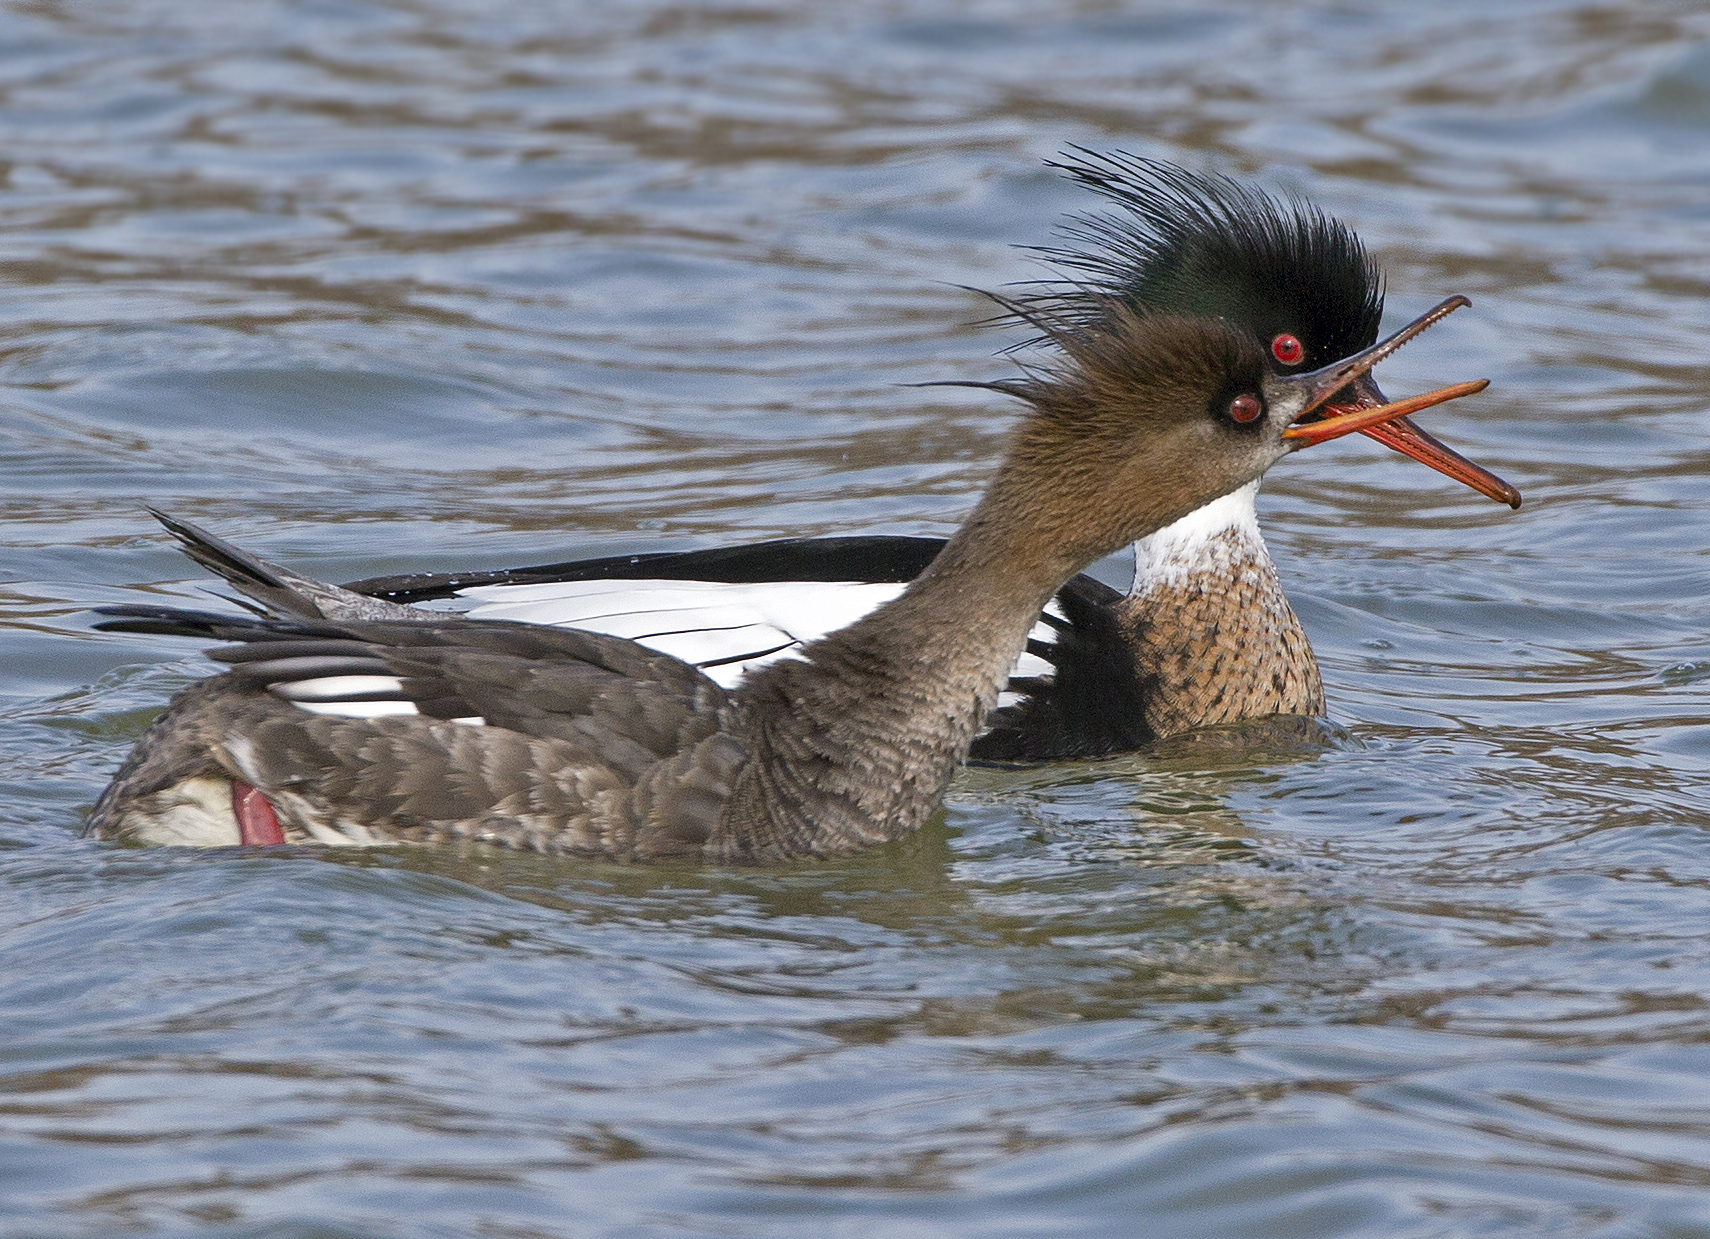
258	825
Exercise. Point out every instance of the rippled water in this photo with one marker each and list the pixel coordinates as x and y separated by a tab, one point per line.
376	286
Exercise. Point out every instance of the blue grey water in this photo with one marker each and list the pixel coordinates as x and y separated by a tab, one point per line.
372	285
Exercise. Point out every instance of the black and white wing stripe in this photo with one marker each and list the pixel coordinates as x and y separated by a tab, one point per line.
727	630
726	610
527	678
724	629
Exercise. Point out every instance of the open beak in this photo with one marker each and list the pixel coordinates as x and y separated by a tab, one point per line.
1386	420
1403	436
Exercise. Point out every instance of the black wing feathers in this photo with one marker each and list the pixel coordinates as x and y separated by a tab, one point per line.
1093	704
877	559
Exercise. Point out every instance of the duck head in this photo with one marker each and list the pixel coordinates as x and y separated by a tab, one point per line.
1141	418
1297	281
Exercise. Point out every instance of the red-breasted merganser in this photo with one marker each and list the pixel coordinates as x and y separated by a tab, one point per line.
574	742
1205	635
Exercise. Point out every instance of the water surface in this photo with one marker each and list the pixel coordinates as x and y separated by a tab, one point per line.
380	286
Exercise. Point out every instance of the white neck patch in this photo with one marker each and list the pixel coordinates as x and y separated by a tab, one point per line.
1194	543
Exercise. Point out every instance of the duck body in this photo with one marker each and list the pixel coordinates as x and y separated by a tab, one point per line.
1204	637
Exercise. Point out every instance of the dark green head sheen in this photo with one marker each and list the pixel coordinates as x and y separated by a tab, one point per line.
1188	243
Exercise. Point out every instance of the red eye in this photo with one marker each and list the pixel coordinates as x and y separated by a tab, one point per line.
1245	409
1286	349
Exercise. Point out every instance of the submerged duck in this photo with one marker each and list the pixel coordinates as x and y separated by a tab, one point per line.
1205	635
567	741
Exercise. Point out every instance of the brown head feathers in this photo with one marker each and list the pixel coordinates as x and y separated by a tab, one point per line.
1132	367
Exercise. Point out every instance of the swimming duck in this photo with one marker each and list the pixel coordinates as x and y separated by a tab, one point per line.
1204	636
566	741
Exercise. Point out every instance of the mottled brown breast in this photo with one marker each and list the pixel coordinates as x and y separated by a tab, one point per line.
1217	642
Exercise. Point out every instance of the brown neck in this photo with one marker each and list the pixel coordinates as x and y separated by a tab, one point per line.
853	744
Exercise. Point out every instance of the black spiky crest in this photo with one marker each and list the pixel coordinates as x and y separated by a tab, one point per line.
1188	243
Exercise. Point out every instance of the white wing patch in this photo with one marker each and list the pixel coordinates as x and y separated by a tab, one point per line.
357	709
365	709
338	687
727	630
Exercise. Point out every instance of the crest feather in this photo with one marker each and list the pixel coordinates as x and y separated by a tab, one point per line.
1190	243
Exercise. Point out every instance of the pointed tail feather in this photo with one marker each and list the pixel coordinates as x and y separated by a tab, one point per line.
280	590
173	621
